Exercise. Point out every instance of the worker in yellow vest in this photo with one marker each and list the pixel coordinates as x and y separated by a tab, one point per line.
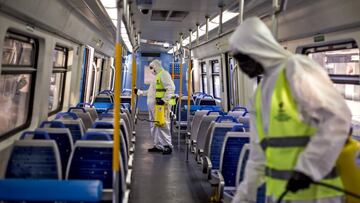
161	92
299	121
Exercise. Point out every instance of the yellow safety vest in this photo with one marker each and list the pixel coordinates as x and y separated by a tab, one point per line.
160	90
286	138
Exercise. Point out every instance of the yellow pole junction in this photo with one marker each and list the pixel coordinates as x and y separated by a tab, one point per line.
117	90
133	85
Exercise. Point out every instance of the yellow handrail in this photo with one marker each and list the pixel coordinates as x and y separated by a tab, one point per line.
117	102
133	85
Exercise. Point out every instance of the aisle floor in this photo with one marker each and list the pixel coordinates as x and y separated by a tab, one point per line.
165	178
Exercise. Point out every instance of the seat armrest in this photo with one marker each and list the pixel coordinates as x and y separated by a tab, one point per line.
221	186
207	166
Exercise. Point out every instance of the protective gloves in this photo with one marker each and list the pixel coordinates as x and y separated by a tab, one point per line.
160	102
136	91
298	181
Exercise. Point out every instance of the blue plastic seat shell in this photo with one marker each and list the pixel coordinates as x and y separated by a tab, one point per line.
50	190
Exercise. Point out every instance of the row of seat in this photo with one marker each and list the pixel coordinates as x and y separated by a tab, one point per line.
65	149
219	142
180	118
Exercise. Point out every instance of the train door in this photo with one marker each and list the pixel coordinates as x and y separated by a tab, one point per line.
87	73
233	84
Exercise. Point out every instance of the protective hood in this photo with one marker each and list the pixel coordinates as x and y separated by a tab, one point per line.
253	38
156	64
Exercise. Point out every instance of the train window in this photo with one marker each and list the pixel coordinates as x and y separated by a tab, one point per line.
215	68
341	61
203	77
16	83
57	79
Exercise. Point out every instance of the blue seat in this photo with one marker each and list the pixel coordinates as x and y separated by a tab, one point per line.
233	146
103	125
110	133
34	159
56	190
35	135
102	102
75	127
97	136
207	102
215	146
63	139
91	161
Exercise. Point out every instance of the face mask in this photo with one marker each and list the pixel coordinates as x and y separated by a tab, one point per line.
152	70
248	65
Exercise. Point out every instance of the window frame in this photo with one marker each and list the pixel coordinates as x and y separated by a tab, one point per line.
22	69
215	74
203	74
63	70
336	78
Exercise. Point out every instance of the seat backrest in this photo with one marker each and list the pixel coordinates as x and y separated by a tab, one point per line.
63	139
126	119
203	130
207	102
230	153
92	112
183	112
110	132
244	120
102	102
214	142
244	156
97	136
103	125
76	128
83	115
91	160
196	123
34	159
235	114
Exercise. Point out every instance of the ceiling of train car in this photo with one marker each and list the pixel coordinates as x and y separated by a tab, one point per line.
168	18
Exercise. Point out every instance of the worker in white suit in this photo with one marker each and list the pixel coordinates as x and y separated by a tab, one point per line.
299	121
161	90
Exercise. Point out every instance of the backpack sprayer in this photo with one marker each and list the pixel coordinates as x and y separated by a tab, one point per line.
348	165
159	111
324	185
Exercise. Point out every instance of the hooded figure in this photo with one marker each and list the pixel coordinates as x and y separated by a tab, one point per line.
161	135
299	122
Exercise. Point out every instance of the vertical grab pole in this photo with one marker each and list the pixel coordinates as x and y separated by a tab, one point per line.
188	100
173	64
274	17
133	86
116	147
241	11
180	93
207	27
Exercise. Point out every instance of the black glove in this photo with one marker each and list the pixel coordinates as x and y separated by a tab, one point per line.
160	102
135	91
298	181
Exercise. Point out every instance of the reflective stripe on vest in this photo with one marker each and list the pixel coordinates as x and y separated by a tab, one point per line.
160	90
286	138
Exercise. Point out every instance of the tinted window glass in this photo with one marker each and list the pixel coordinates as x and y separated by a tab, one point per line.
16	52
15	92
56	89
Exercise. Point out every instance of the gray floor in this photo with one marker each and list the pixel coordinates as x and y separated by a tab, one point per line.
165	178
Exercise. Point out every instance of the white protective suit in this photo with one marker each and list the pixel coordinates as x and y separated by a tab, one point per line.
161	135
318	102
